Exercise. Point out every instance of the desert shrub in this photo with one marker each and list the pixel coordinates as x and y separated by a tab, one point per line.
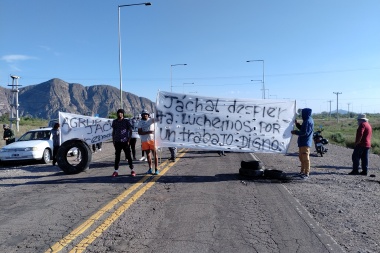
338	137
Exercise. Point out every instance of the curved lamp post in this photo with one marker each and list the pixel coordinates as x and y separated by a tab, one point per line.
263	76
120	71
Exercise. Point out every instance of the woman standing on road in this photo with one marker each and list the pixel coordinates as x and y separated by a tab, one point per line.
56	141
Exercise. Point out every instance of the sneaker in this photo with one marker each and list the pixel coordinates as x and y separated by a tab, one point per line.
133	173
146	159
172	159
115	174
142	158
149	171
100	149
305	177
363	173
354	172
156	172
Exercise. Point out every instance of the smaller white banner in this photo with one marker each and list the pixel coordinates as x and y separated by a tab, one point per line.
90	129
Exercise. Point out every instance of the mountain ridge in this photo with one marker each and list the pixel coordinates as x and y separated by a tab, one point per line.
46	99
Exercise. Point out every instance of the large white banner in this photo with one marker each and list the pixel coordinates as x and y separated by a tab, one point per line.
90	129
236	125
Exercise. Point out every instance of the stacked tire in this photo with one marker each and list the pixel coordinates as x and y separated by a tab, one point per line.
252	168
255	169
275	174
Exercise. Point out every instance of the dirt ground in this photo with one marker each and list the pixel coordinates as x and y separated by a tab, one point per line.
346	206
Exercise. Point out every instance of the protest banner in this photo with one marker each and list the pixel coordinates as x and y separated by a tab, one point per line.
237	125
92	130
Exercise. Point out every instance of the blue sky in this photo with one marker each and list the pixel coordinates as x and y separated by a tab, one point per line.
310	49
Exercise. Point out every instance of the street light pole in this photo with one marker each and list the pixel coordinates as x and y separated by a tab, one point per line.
171	74
263	76
119	33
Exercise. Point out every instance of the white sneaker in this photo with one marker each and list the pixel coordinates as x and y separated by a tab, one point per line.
100	149
146	159
142	158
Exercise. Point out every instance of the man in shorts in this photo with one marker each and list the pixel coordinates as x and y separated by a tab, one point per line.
146	132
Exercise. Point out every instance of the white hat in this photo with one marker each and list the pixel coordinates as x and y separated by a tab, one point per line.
362	116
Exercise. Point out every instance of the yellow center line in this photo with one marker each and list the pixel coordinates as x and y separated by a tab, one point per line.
80	247
91	220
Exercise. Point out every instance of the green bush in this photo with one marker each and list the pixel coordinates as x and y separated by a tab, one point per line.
338	137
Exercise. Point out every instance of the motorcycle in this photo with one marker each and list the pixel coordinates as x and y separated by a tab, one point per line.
320	142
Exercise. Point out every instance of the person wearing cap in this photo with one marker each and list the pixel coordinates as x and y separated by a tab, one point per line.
362	146
146	132
305	140
8	135
121	137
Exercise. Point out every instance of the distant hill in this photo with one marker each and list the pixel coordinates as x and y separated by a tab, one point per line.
46	99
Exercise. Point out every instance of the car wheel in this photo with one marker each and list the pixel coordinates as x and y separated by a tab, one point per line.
85	159
46	156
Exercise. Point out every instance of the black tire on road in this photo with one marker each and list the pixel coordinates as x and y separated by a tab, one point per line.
252	165
276	174
46	157
250	172
86	156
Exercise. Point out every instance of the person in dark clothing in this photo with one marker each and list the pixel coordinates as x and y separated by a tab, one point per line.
97	147
8	135
362	146
56	141
305	141
173	153
121	137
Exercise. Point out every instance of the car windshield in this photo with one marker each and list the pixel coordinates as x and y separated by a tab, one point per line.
35	135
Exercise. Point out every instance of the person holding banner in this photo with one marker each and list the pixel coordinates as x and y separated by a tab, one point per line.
55	132
173	153
135	136
121	137
146	132
305	140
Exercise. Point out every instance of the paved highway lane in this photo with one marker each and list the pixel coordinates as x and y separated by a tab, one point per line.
197	204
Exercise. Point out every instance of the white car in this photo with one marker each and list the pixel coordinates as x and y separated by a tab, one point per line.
35	144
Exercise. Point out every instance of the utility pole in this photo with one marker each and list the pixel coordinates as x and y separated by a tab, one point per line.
13	115
348	112
337	108
330	108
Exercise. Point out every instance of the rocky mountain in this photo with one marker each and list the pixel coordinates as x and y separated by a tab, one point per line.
46	99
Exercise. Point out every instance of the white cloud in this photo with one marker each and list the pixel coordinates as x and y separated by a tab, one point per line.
16	57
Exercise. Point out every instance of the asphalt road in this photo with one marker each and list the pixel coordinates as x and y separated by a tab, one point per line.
198	203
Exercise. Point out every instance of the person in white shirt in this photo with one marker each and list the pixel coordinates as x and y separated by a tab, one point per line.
146	132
